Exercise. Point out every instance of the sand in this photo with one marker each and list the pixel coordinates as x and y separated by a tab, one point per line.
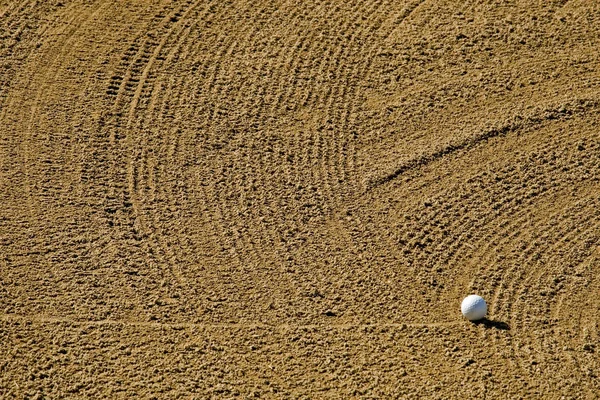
287	199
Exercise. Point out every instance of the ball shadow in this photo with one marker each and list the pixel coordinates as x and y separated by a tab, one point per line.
488	323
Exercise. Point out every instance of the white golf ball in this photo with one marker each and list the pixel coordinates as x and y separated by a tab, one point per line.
473	307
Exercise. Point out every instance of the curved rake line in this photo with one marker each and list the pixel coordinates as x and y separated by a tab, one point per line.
125	92
575	106
509	233
525	215
173	145
285	64
525	203
156	252
567	214
291	62
456	245
11	102
540	220
228	43
587	294
212	198
344	93
513	288
272	64
70	31
365	74
175	30
262	163
172	148
305	44
508	229
223	216
129	65
126	69
562	212
561	298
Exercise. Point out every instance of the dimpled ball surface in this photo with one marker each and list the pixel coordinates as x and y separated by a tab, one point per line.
474	307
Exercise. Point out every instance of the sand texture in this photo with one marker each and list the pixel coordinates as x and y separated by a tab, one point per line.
289	199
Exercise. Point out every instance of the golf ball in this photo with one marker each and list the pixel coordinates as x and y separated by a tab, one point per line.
473	307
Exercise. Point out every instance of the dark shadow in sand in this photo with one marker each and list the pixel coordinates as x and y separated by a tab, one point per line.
488	323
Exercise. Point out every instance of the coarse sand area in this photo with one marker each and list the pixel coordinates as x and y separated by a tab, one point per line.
289	199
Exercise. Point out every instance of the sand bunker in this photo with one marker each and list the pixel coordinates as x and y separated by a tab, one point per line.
288	199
